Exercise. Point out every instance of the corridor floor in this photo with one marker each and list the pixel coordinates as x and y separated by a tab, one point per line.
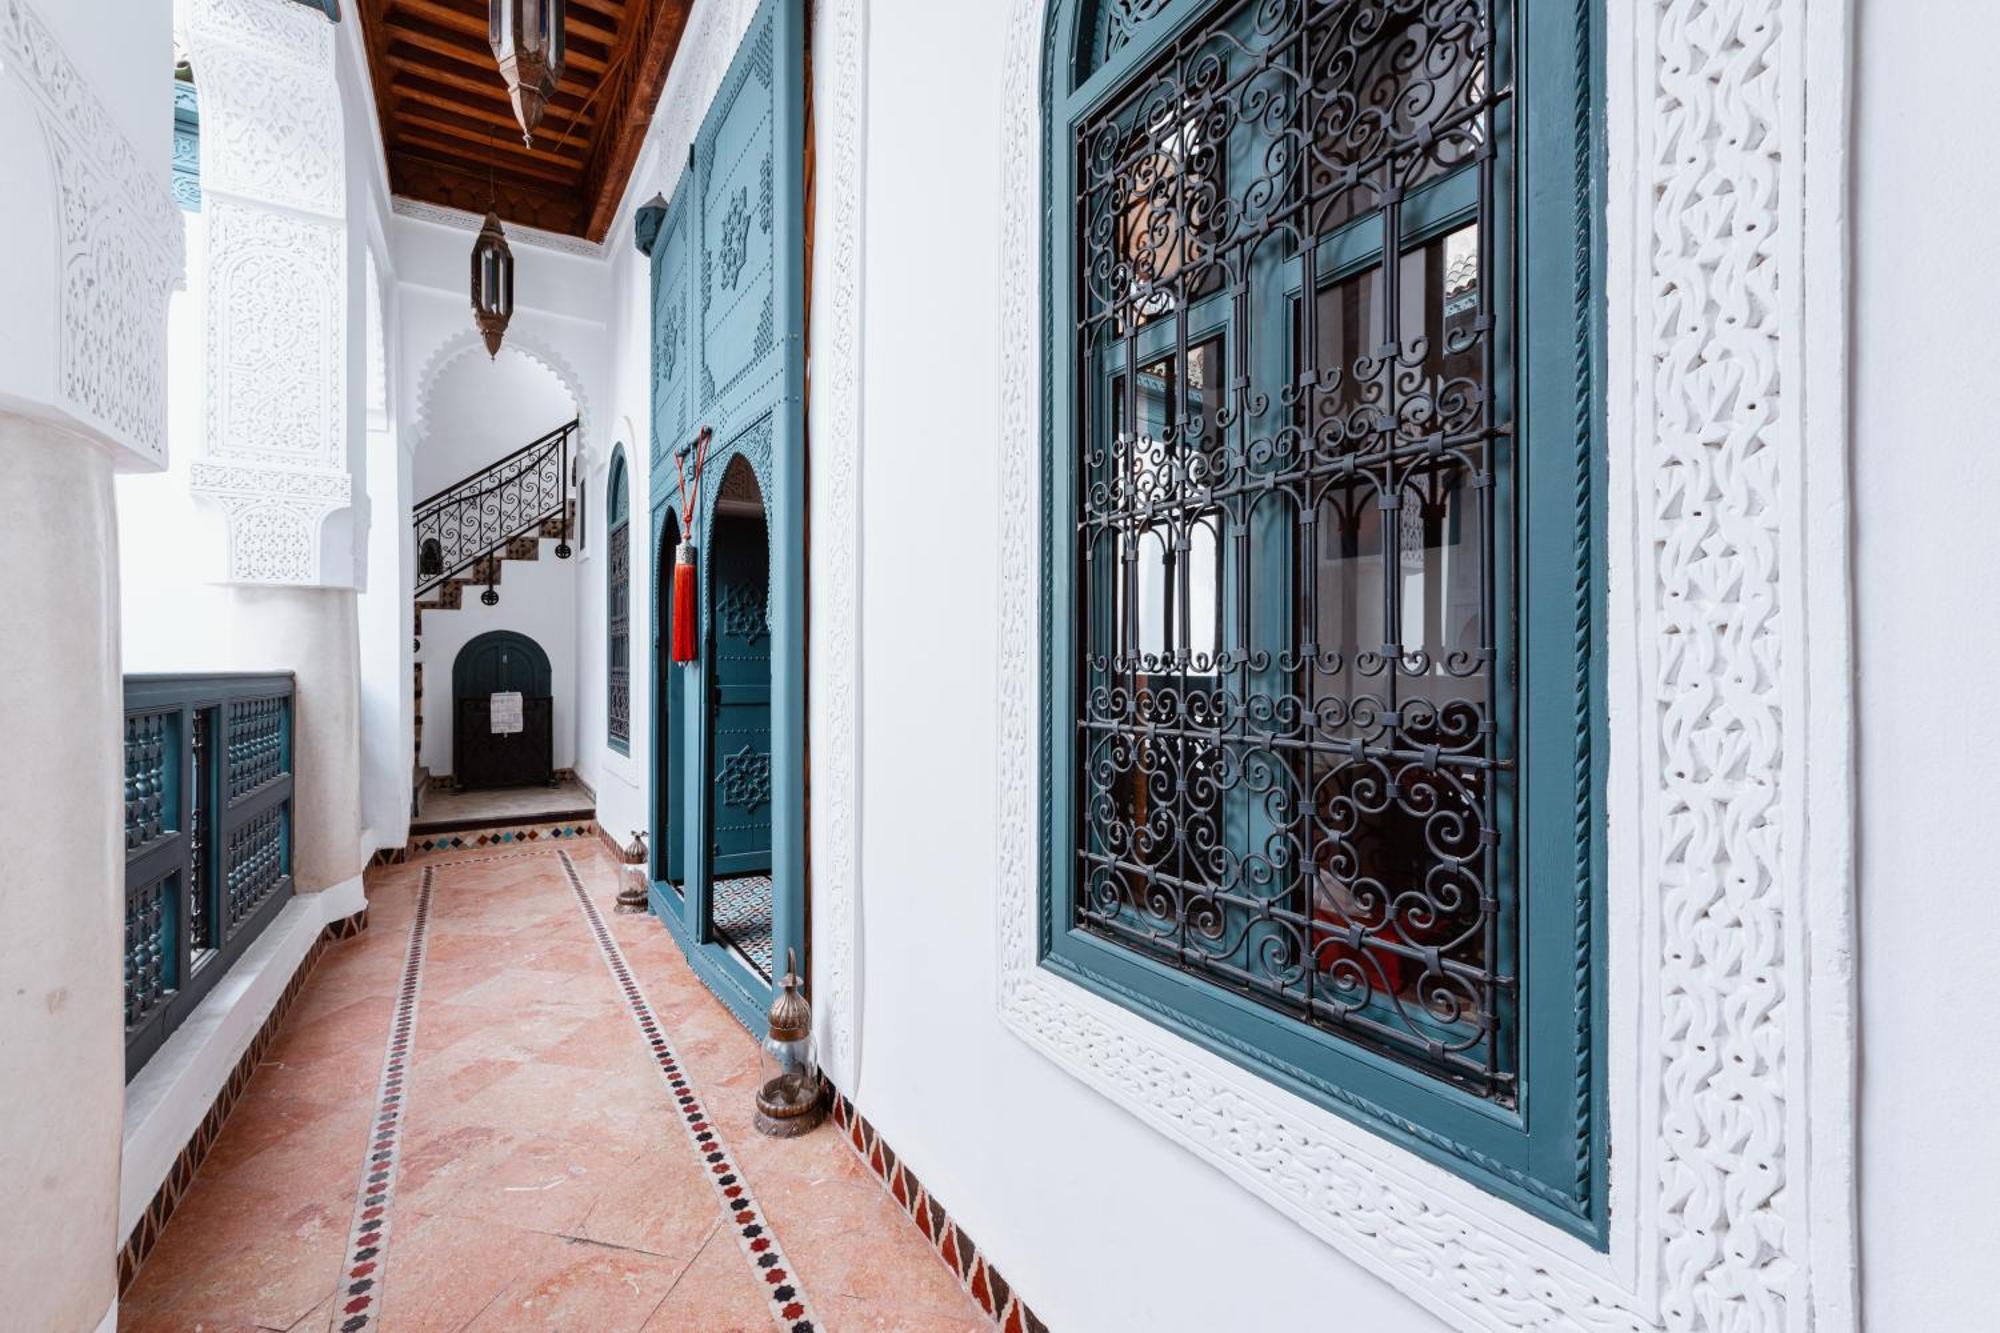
504	1106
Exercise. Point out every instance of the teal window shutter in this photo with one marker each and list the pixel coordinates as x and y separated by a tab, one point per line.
728	339
618	607
1322	666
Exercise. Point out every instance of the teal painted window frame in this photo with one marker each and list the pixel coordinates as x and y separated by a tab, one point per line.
617	507
1547	1152
186	179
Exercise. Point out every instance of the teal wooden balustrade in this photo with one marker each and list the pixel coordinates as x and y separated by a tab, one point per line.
208	838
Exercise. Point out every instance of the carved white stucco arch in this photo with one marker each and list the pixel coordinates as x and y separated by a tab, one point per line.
465	340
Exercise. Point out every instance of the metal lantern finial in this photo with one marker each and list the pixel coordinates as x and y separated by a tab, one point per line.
527	40
492	283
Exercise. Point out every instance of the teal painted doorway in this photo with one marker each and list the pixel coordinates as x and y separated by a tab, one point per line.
740	685
727	251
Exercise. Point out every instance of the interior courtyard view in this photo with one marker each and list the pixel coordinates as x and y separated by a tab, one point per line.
933	665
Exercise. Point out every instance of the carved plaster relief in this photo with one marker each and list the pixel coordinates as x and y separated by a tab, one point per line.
1731	1168
120	244
275	288
274	183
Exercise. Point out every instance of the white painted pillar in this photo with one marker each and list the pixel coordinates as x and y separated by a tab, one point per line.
284	447
62	883
92	247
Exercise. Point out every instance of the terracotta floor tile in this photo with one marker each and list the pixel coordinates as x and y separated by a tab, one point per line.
716	1294
545	1180
244	1255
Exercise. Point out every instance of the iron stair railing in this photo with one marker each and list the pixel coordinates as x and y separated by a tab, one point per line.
477	518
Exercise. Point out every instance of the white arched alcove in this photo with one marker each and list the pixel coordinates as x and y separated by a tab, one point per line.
477	410
430	407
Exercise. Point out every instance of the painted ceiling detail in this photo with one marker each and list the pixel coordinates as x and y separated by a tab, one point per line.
446	119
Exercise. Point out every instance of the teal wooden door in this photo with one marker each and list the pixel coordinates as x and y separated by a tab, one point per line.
740	706
497	661
728	266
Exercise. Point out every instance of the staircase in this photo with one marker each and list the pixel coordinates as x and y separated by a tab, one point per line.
468	531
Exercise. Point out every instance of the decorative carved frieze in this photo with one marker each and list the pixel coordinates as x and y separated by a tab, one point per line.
119	247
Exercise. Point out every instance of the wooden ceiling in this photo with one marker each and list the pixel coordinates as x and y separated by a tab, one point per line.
446	119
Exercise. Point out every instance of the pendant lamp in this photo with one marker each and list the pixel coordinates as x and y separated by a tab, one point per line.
527	40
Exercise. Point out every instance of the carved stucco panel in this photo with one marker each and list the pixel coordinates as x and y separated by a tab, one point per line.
275	188
270	131
275	29
276	339
120	246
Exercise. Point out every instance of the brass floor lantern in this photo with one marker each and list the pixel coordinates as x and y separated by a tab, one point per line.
527	40
791	1098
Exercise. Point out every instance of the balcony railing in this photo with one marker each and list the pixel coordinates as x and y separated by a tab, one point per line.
475	519
208	837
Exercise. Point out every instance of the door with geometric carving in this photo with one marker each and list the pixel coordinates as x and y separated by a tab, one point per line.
739	653
728	261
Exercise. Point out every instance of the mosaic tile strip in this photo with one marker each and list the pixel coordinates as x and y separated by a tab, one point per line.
740	907
473	839
146	1231
754	1235
358	1300
981	1280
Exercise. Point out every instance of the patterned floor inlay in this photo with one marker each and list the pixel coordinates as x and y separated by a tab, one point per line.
788	1303
358	1301
741	910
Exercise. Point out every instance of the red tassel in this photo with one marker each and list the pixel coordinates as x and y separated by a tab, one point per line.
684	603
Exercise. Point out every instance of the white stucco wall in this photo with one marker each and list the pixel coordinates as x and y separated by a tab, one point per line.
481	409
1927	487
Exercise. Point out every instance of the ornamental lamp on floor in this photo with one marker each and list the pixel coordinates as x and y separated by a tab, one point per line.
633	885
791	1100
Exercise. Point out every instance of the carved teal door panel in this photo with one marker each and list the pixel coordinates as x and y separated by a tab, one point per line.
729	356
740	653
673	423
665	234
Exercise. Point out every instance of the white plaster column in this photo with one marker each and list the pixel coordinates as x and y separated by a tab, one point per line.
61	878
92	246
283	441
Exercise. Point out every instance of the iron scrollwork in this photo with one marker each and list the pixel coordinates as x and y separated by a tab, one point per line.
469	522
1293	770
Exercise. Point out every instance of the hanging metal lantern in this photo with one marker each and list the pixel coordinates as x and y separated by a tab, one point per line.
492	283
527	40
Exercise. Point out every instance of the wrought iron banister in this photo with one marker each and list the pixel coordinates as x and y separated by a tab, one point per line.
208	837
477	517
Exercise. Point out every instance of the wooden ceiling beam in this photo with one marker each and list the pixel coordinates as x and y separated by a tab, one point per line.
433	86
588	46
654	32
455	45
449	129
470	153
497	123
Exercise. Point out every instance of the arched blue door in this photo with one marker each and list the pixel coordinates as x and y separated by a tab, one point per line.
728	290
